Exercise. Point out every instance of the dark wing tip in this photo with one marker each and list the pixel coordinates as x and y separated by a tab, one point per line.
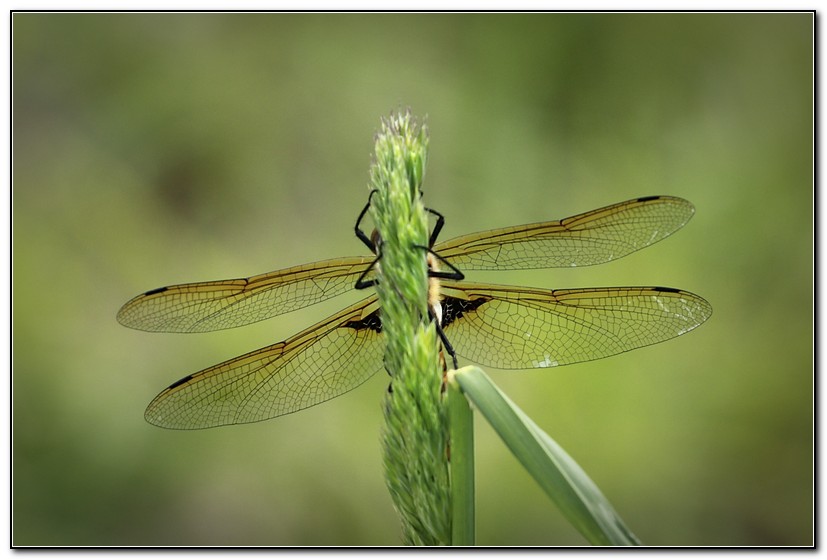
665	289
156	291
179	382
123	316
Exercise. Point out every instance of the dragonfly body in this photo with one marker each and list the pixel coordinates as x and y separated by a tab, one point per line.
499	326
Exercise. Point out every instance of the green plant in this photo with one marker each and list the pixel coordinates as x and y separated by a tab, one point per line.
428	437
415	438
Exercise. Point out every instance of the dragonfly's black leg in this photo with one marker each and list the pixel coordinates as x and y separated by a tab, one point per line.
446	345
390	383
440	221
363	237
453	274
361	283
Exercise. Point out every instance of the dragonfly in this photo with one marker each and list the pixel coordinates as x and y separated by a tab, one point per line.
507	327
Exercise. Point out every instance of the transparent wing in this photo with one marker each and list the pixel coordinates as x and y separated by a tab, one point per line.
224	304
318	364
586	239
515	328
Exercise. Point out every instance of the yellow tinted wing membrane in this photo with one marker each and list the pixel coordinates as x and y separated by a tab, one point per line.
515	328
591	238
318	364
224	304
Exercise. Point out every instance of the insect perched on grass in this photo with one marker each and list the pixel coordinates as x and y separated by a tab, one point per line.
499	326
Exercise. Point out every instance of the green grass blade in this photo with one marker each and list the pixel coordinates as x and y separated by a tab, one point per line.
461	421
555	471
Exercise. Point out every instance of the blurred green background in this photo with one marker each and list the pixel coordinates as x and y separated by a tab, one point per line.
158	149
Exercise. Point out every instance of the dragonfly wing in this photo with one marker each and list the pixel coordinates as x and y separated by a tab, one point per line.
591	238
515	328
224	304
318	364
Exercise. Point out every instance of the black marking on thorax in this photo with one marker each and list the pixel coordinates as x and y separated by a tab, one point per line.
453	308
372	322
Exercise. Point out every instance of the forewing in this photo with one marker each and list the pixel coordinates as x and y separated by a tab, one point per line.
586	239
514	328
318	364
224	304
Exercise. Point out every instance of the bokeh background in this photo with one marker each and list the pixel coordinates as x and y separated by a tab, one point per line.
158	149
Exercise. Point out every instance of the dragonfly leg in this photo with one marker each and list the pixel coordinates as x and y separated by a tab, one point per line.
363	237
390	383
361	283
440	221
446	345
453	274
